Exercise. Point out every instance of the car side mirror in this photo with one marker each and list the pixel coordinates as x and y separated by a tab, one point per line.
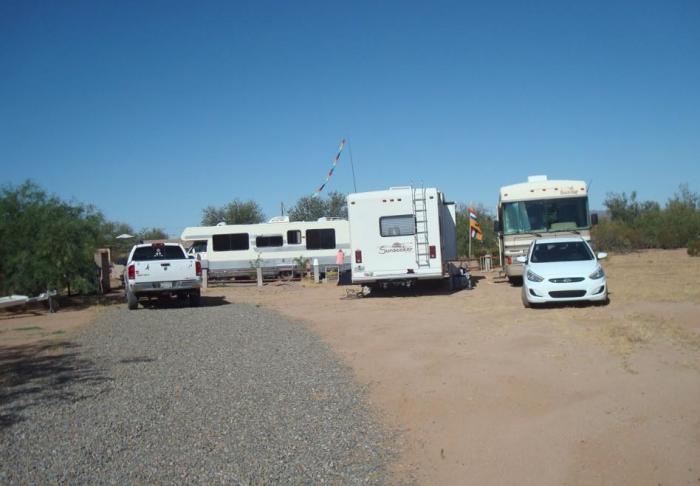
594	219
522	259
497	226
602	255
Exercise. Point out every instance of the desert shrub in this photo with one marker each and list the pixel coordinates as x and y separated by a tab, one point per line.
694	248
612	236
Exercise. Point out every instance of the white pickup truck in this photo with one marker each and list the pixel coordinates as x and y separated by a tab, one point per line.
161	270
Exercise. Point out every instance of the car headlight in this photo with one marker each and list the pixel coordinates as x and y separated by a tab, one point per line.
599	273
533	277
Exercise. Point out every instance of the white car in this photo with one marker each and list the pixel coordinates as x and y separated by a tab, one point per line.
562	270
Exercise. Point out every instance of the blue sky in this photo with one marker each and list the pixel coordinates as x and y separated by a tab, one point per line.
152	111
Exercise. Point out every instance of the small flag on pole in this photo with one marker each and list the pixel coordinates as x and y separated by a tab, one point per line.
474	224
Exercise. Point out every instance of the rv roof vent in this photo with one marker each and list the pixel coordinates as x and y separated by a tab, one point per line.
279	219
399	187
538	178
223	223
330	218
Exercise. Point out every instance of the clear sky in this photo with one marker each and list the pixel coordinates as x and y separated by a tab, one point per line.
152	111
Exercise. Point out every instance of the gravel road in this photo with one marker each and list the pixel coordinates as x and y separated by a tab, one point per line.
223	394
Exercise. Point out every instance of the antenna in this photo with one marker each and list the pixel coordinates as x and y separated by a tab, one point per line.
352	166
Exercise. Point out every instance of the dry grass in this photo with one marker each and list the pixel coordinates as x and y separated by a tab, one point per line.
643	327
654	275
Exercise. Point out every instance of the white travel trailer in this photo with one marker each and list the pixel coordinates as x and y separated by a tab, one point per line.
539	208
401	235
276	246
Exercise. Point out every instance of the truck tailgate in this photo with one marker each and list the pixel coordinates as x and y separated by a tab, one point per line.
165	270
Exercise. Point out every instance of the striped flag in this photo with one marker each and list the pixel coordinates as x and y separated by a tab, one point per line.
474	224
328	177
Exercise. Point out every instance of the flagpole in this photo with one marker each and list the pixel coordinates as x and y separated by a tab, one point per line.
470	233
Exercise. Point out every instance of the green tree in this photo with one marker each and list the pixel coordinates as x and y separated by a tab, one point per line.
309	208
627	209
235	212
45	242
636	225
148	234
111	229
489	243
119	248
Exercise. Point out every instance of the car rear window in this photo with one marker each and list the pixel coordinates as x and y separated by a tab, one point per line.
572	251
146	253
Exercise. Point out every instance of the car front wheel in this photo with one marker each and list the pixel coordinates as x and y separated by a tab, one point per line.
526	302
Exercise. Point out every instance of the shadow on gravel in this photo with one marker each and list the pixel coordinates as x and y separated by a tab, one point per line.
38	374
175	303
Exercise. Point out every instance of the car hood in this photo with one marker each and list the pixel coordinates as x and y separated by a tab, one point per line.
564	269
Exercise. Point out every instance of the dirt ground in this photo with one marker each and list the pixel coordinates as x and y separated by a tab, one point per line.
490	393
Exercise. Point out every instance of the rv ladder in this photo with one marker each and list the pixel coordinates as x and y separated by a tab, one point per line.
420	213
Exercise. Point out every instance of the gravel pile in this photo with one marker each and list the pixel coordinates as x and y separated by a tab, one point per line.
232	394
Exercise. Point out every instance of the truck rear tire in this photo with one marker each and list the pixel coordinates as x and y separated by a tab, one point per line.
195	298
132	301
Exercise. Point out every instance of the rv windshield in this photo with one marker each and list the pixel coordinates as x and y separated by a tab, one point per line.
546	215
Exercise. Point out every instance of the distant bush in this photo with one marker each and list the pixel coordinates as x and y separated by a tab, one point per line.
612	236
644	224
694	248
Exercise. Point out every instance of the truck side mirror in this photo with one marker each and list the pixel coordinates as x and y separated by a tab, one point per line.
594	219
497	226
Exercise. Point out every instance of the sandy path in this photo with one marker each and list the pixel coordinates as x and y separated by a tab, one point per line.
491	393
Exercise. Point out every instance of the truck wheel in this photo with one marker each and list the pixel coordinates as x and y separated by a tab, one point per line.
526	303
132	301
194	298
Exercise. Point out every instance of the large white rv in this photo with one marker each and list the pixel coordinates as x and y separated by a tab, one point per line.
276	246
401	235
539	208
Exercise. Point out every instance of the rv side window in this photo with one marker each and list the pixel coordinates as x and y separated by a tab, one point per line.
199	246
320	239
404	225
263	241
231	242
294	237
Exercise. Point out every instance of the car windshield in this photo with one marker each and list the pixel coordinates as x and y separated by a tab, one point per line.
567	251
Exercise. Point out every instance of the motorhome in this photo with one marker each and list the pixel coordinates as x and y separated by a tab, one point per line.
278	247
401	235
539	208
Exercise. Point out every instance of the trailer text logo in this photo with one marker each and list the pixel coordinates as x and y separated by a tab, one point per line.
396	248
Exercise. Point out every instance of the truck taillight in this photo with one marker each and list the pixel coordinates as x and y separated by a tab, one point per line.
509	261
432	251
132	272
198	267
358	256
